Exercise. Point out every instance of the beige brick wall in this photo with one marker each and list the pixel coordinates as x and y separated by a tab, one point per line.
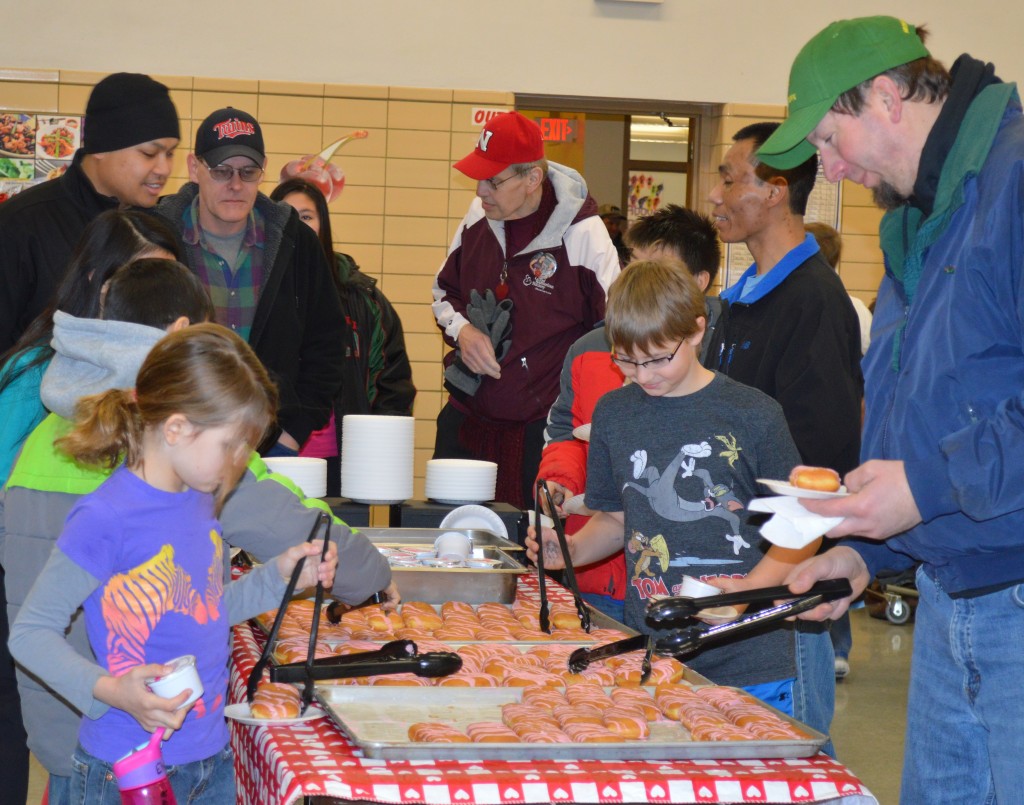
401	203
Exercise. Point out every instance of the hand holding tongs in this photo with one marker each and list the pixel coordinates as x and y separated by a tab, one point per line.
686	641
322	519
569	573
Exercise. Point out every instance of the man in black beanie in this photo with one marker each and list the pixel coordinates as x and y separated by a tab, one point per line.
130	133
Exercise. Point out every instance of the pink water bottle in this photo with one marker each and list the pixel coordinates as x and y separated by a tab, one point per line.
141	777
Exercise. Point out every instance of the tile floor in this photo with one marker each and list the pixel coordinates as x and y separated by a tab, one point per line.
870	708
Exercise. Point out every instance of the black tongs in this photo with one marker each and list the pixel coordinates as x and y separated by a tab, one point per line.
569	573
683	642
396	657
667	612
581	658
323	520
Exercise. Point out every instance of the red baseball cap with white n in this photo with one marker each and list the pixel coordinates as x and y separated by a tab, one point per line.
507	139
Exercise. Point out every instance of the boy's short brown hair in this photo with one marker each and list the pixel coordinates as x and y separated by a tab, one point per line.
653	303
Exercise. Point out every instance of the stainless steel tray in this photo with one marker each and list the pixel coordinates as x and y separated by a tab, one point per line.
435	585
422	538
377	721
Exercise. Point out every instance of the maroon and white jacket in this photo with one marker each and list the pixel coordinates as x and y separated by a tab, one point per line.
558	283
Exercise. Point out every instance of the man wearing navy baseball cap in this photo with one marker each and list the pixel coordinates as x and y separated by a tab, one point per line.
942	483
265	271
526	275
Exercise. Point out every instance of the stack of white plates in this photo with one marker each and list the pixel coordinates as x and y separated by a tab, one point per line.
376	458
309	474
457	480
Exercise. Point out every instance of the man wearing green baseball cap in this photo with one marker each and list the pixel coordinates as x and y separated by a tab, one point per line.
941	483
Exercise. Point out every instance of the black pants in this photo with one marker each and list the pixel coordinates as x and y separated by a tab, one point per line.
13	740
448	445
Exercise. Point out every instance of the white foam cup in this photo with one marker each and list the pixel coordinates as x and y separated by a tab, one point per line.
183	677
695	588
453	546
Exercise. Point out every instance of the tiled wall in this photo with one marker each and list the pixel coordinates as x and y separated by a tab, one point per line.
401	202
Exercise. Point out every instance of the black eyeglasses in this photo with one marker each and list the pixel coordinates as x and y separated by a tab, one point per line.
654	363
223	173
496	184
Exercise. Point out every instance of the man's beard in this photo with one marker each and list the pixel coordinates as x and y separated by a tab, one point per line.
887	197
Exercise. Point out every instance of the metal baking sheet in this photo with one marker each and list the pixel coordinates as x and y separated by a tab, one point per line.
423	538
377	720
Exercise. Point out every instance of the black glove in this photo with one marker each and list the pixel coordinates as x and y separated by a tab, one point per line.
492	318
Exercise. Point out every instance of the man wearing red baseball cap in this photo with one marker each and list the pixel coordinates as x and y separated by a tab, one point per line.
526	275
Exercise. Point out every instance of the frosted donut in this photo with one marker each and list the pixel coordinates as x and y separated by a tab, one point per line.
820	479
591	733
432	732
526	677
491	732
545	697
472	679
408	680
626	722
449	608
275	700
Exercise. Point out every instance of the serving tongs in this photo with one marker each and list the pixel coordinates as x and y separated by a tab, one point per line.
323	520
581	658
569	574
683	642
668	612
396	657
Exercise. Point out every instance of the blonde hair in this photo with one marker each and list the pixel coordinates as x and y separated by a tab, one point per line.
653	303
204	372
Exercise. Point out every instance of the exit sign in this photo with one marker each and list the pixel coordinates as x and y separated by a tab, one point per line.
557	129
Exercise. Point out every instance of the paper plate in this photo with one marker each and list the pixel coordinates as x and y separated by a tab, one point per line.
582	432
240	712
785	488
717	615
479	517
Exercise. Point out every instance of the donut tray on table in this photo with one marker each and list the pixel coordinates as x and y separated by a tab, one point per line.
377	720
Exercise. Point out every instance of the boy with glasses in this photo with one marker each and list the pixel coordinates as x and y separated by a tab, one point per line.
674	458
265	271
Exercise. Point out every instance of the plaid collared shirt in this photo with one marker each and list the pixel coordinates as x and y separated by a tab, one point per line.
234	293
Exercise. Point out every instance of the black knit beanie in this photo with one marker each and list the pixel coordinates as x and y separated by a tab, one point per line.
126	109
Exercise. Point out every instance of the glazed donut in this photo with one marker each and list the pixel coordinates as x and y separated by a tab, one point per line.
275	700
820	479
530	677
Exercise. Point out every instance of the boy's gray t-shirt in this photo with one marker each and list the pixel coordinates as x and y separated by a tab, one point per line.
682	470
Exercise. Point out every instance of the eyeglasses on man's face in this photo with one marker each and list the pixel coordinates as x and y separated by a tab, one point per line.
495	184
223	173
653	363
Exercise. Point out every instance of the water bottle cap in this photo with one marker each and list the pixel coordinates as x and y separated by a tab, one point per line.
142	766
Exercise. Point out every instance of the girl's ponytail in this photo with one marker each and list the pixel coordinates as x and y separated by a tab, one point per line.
108	430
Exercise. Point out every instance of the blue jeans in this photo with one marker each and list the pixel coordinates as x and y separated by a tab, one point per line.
814	693
966	706
611	607
211	780
842	636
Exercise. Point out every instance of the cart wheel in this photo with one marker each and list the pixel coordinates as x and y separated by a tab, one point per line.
897	611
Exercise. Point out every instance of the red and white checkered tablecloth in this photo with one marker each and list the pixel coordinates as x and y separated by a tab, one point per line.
283	764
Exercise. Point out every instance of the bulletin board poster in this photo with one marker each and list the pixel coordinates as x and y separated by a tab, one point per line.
649	191
35	148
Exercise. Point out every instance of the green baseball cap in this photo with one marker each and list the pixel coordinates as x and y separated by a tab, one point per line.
837	59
